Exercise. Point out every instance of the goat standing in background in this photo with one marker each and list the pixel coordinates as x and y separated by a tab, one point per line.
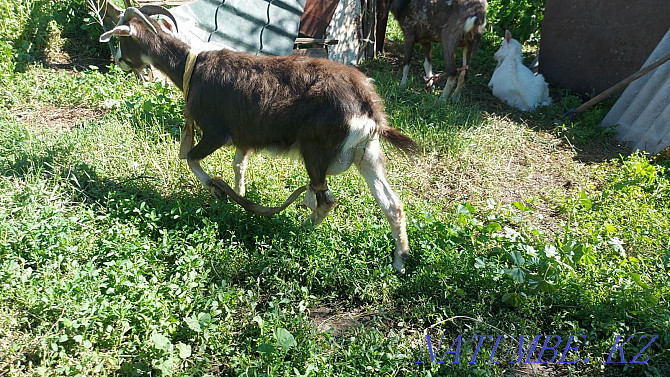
454	23
512	82
327	112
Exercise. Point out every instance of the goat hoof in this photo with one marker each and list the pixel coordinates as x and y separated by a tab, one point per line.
398	266
309	202
310	222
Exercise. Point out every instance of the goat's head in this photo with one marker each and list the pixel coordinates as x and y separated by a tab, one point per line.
509	47
135	25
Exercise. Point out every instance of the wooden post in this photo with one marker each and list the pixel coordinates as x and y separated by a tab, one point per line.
369	26
382	20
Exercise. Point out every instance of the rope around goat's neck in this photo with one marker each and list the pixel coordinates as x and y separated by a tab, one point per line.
188	71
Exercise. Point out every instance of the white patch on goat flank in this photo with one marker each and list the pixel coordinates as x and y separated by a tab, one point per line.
361	130
469	24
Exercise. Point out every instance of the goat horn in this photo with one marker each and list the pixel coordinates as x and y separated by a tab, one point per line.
152	10
133	12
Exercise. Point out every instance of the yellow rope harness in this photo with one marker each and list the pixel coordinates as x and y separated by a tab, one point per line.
187	133
188	71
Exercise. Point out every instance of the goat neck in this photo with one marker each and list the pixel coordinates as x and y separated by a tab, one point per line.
165	52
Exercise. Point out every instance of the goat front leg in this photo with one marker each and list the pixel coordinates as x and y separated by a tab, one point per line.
448	47
461	76
427	65
310	199
204	148
317	159
370	163
325	202
409	51
240	163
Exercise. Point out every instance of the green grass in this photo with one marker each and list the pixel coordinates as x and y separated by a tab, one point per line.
115	261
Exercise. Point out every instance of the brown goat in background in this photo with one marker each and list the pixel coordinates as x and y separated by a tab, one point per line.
454	23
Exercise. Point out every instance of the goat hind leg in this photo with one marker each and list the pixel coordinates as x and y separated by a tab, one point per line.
448	47
427	65
240	163
451	82
371	167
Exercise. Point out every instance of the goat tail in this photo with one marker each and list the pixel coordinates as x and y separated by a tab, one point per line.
399	140
255	208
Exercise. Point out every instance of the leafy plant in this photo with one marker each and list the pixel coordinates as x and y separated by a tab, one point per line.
522	18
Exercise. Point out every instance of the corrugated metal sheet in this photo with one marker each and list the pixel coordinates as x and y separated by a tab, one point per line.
263	27
642	113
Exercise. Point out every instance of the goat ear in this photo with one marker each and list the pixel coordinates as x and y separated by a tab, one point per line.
508	35
166	25
119	31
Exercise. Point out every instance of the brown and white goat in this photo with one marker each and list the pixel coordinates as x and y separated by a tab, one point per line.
454	23
327	112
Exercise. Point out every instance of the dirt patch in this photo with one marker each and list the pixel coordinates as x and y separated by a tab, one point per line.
601	151
505	162
535	370
323	319
340	323
58	118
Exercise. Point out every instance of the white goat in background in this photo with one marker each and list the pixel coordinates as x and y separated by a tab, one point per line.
514	83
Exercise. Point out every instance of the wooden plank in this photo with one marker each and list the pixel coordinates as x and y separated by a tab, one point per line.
382	19
111	14
319	41
165	3
312	52
369	23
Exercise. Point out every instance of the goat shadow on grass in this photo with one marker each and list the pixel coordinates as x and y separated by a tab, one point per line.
583	133
121	198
